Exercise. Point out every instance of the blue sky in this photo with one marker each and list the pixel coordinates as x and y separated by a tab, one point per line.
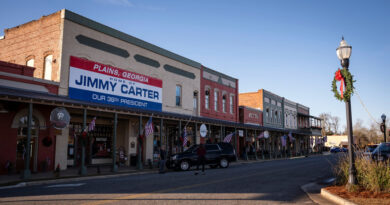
285	46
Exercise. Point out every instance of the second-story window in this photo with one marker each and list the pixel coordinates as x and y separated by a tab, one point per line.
231	104
30	62
207	99
215	100
178	95
224	103
48	67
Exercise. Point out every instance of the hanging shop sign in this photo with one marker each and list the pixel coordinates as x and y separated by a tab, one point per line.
99	83
59	118
266	134
203	130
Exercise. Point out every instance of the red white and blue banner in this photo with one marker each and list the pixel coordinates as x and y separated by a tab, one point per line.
99	83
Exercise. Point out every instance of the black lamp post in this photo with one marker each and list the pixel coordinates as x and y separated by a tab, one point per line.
343	53
384	126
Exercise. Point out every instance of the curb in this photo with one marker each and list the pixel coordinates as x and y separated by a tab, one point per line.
334	198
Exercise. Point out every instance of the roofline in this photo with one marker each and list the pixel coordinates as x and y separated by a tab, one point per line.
250	108
218	73
77	18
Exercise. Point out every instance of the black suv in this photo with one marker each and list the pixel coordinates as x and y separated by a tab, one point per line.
382	152
220	154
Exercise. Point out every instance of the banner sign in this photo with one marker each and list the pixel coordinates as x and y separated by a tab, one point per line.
98	83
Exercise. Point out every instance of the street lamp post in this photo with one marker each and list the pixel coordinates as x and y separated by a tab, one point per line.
384	126
344	53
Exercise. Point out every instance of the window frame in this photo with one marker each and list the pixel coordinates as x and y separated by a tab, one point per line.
180	95
216	93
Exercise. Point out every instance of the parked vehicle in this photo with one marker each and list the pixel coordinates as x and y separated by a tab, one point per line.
382	152
335	149
220	154
343	149
338	149
369	149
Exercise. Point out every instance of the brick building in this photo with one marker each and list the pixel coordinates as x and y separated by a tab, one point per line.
13	116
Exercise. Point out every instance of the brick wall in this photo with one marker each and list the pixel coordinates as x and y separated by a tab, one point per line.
24	74
251	116
252	99
211	113
35	39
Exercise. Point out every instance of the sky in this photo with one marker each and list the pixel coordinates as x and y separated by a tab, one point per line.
285	46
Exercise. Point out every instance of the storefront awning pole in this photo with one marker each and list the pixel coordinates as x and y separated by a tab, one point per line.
161	131
26	171
139	154
196	134
246	145
220	135
181	146
255	137
83	169
114	166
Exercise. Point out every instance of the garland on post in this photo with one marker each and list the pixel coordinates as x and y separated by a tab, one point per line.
346	79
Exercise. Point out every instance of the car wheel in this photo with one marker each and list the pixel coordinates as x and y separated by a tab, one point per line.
184	165
224	163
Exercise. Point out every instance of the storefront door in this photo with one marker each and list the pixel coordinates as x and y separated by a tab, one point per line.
21	142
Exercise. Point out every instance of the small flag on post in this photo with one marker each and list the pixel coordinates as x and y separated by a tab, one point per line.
92	125
291	137
149	127
228	137
260	136
185	140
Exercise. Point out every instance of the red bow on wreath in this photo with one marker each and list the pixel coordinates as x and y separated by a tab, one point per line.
339	77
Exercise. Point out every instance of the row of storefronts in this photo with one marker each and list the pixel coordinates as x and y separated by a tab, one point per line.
115	87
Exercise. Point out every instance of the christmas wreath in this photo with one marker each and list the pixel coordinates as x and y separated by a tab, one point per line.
346	79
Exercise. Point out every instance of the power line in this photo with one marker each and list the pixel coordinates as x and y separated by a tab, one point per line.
364	106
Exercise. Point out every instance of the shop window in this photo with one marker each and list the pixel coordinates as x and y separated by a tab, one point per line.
224	103
48	67
178	95
216	100
195	103
207	99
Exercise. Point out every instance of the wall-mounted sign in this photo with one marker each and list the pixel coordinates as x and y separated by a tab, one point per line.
59	117
266	134
95	82
203	130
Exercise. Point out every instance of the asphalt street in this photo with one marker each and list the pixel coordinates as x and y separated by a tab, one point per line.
269	182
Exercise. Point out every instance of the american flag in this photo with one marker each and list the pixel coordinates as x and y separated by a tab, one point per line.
149	127
185	140
228	137
283	139
92	125
261	135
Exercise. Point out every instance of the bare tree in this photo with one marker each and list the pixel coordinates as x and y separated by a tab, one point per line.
335	124
326	124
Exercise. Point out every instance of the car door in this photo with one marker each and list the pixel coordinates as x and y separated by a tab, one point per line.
212	153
